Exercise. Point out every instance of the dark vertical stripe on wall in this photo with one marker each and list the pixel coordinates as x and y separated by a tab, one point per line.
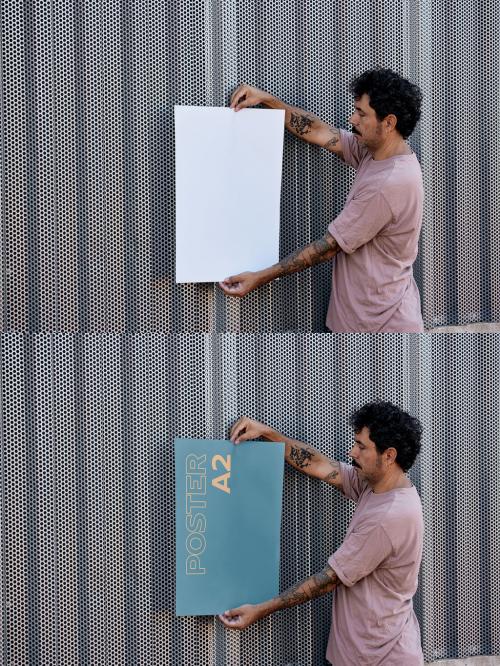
451	313
321	608
161	170
417	357
162	149
485	550
82	504
219	391
416	138
488	122
32	578
486	375
161	187
161	474
311	177
301	35
32	225
129	445
3	470
4	289
450	535
129	164
219	56
485	212
81	166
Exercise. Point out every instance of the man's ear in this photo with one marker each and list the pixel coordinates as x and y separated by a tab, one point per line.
390	122
390	455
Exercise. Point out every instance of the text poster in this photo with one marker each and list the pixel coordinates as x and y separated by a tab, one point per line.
228	516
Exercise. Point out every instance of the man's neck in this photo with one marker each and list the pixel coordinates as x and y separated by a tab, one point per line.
391	148
392	480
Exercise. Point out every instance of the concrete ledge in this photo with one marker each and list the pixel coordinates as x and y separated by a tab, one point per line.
467	328
469	661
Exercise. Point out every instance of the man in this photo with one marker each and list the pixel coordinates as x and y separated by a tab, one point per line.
374	573
374	240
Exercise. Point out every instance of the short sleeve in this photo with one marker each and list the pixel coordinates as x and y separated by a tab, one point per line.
360	221
361	553
352	153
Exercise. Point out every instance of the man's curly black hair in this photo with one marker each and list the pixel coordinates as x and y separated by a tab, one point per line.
390	93
390	426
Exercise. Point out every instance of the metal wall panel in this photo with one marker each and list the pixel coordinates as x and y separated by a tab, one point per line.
88	193
88	548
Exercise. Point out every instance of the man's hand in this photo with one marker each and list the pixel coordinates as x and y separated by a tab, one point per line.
245	96
241	285
246	429
242	617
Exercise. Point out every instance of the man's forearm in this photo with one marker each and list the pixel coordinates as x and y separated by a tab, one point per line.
310	588
302	124
305	458
317	252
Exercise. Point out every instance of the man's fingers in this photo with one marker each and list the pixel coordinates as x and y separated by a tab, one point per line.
225	285
231	280
225	621
238	431
230	291
242	436
231	622
231	286
239	285
234	432
236	95
228	283
241	102
239	97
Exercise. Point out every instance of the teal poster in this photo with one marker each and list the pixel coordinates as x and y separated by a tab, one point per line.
228	517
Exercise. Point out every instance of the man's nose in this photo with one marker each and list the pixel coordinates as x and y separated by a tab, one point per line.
354	118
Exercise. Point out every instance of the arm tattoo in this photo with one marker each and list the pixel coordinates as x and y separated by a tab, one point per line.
300	456
331	143
320	250
315	586
301	123
333	477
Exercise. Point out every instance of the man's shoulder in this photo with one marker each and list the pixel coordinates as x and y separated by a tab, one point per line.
395	506
404	514
404	173
401	185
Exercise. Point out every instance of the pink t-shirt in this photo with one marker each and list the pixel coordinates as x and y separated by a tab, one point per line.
373	290
373	622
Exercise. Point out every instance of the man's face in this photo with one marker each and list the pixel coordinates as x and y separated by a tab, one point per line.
367	128
369	463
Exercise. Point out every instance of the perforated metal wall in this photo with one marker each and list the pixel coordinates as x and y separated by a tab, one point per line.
88	487
88	151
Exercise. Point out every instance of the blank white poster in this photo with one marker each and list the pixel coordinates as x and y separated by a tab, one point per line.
228	182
